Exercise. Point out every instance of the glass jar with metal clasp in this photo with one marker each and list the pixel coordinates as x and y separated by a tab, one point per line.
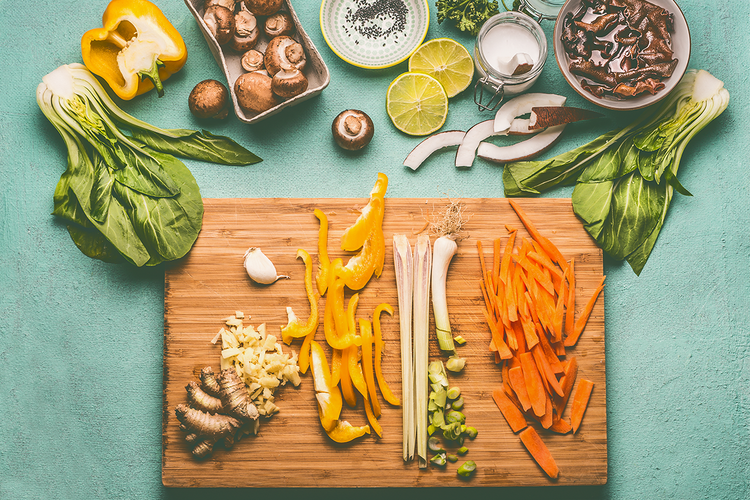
498	80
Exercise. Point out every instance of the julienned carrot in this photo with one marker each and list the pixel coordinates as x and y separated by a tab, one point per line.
512	415
570	302
560	426
518	385
580	402
567	382
497	338
548	246
534	444
545	371
507	255
481	258
496	262
583	319
534	384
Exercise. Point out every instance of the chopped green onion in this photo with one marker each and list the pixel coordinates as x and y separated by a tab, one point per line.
463	450
451	458
458	339
454	393
439	459
471	432
455	364
467	468
458	404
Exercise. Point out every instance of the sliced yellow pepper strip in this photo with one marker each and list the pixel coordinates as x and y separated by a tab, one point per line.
324	263
336	366
347	389
355	235
367	262
326	393
384	389
372	419
355	371
335	319
295	328
345	432
365	330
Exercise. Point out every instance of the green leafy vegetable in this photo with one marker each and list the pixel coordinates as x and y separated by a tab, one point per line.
468	15
125	196
625	179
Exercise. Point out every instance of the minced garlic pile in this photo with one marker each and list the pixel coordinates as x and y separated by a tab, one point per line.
258	359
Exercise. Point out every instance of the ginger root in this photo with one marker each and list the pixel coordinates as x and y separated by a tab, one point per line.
217	409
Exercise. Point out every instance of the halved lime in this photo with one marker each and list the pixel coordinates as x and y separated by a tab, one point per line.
447	61
416	103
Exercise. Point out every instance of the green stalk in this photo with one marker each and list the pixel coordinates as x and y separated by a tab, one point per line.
422	264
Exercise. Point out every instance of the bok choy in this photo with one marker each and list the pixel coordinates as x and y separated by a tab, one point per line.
124	195
625	179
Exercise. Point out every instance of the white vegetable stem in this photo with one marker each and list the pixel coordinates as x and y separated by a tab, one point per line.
403	263
444	250
422	264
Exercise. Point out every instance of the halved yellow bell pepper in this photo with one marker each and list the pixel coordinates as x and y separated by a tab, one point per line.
135	50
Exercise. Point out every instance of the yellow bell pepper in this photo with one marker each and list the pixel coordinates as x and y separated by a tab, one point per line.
324	263
327	393
355	235
296	328
136	48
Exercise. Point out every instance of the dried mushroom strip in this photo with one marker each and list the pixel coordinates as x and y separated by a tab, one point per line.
624	47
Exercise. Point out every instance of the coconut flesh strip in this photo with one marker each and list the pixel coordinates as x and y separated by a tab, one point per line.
467	150
520	150
433	143
522	105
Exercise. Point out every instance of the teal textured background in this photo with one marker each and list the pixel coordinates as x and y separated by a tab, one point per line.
81	341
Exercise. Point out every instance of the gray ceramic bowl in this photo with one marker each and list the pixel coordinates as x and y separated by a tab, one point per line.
680	46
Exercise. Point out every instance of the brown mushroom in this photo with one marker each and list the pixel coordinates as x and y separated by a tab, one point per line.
254	93
352	129
220	22
264	7
246	31
279	24
209	99
289	82
252	60
229	4
283	51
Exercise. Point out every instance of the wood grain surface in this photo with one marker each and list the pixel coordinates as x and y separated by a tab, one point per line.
292	450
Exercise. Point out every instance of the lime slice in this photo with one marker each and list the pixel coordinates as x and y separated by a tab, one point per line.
446	60
416	103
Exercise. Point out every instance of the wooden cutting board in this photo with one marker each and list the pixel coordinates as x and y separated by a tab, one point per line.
291	449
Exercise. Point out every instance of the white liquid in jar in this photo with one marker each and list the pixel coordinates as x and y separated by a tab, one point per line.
503	42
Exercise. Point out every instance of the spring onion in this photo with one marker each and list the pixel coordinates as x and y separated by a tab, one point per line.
421	316
467	468
124	196
403	262
445	249
625	179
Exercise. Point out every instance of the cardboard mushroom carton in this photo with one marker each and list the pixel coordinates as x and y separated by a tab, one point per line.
229	59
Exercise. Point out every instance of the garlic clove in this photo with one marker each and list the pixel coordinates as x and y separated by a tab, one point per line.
260	268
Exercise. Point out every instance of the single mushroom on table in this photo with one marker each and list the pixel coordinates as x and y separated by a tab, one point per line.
220	22
209	99
352	129
283	51
254	93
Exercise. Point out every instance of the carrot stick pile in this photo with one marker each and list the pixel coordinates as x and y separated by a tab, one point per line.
529	293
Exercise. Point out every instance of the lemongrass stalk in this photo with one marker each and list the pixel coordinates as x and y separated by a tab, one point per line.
443	251
422	265
403	262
